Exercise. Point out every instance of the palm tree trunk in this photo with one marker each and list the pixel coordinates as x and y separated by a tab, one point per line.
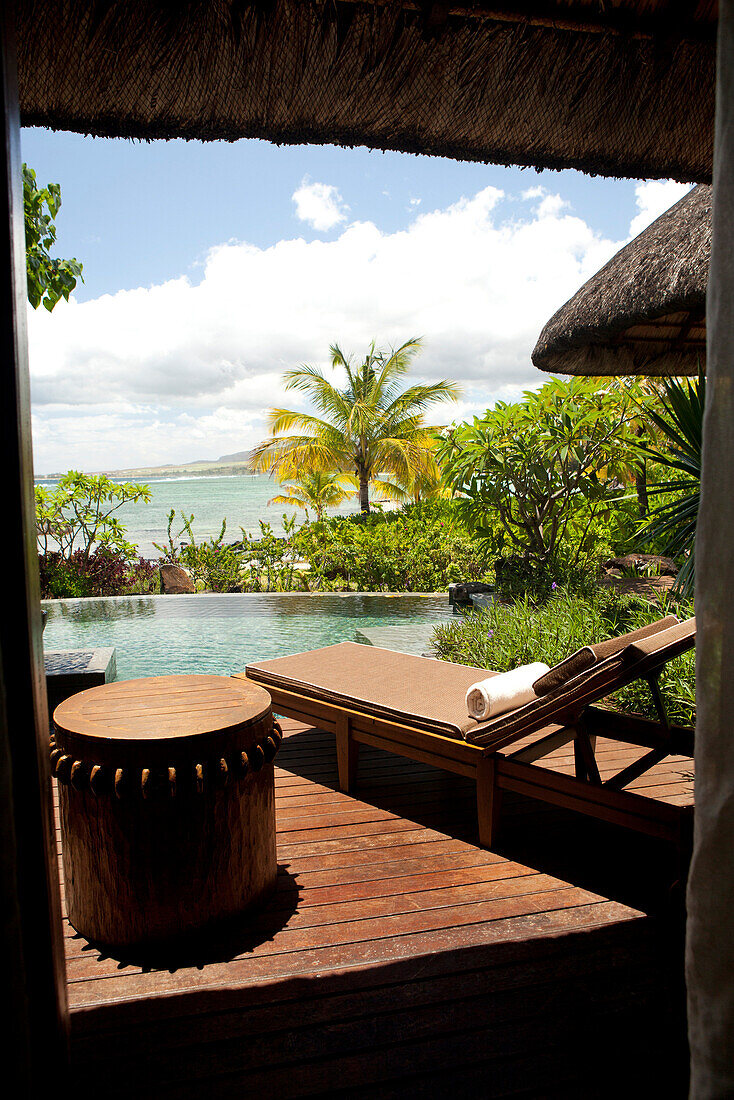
364	491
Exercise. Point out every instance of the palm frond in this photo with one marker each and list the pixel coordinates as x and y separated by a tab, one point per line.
371	426
681	425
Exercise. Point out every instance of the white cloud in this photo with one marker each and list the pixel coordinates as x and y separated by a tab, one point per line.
552	205
319	205
180	371
109	438
653	198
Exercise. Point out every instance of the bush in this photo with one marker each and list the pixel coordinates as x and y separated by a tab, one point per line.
266	564
78	515
568	447
507	635
590	539
102	573
421	548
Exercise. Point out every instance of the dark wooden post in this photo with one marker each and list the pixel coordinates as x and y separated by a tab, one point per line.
710	947
33	977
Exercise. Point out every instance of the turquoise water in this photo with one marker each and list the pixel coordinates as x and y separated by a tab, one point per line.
242	500
156	635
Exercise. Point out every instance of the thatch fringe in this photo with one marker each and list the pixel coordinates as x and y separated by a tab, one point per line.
644	312
517	85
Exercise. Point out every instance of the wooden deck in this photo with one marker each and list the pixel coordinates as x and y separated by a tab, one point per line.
397	957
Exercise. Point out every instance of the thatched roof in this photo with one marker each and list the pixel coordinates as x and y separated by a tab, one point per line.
645	311
623	87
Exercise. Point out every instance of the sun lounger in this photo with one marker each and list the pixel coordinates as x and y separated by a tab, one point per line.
415	707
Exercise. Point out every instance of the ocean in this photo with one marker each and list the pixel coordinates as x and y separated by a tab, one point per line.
241	499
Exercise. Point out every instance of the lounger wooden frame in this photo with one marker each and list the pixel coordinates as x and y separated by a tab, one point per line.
495	772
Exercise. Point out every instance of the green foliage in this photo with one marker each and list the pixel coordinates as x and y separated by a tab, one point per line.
421	548
589	540
78	515
673	521
371	428
266	564
538	475
507	635
271	560
103	573
49	279
213	565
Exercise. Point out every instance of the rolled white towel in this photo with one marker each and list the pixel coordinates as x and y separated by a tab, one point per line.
504	692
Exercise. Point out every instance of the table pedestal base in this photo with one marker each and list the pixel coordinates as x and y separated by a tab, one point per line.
143	872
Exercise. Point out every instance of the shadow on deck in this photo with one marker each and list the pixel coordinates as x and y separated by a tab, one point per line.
398	958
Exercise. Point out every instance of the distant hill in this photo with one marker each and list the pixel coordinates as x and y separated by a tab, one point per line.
238	456
226	466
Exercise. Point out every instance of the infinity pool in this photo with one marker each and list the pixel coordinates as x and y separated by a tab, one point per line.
154	635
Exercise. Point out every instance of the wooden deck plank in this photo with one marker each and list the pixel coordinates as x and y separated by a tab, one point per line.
116	983
400	935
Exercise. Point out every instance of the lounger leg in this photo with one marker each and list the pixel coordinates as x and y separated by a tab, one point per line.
584	749
347	754
489	800
578	758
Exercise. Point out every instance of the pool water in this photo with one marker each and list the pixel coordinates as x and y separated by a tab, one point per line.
156	635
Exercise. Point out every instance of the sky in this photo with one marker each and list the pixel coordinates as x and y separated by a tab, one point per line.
211	268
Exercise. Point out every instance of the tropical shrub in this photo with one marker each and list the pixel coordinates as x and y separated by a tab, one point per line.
536	477
575	567
214	565
271	560
422	548
102	573
266	564
82	546
78	515
504	636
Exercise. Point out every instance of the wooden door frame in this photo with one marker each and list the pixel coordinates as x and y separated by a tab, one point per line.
34	977
33	970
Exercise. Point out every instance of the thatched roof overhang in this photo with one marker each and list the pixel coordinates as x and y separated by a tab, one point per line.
616	87
644	312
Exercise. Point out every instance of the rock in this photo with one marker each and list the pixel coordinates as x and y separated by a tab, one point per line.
462	592
175	581
644	563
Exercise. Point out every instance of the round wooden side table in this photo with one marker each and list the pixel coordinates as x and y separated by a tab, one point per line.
167	803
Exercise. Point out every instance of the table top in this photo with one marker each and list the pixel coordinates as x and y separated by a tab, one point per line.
163	707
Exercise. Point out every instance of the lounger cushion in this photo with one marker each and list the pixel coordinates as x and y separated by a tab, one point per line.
675	638
584	658
419	691
602	650
565	670
430	695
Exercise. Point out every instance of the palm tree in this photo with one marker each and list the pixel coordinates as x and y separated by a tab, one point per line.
371	426
317	490
427	483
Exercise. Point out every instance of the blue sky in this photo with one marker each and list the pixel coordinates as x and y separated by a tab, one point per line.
210	268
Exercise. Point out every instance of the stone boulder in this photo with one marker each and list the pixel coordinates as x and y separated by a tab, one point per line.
644	563
175	581
460	594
